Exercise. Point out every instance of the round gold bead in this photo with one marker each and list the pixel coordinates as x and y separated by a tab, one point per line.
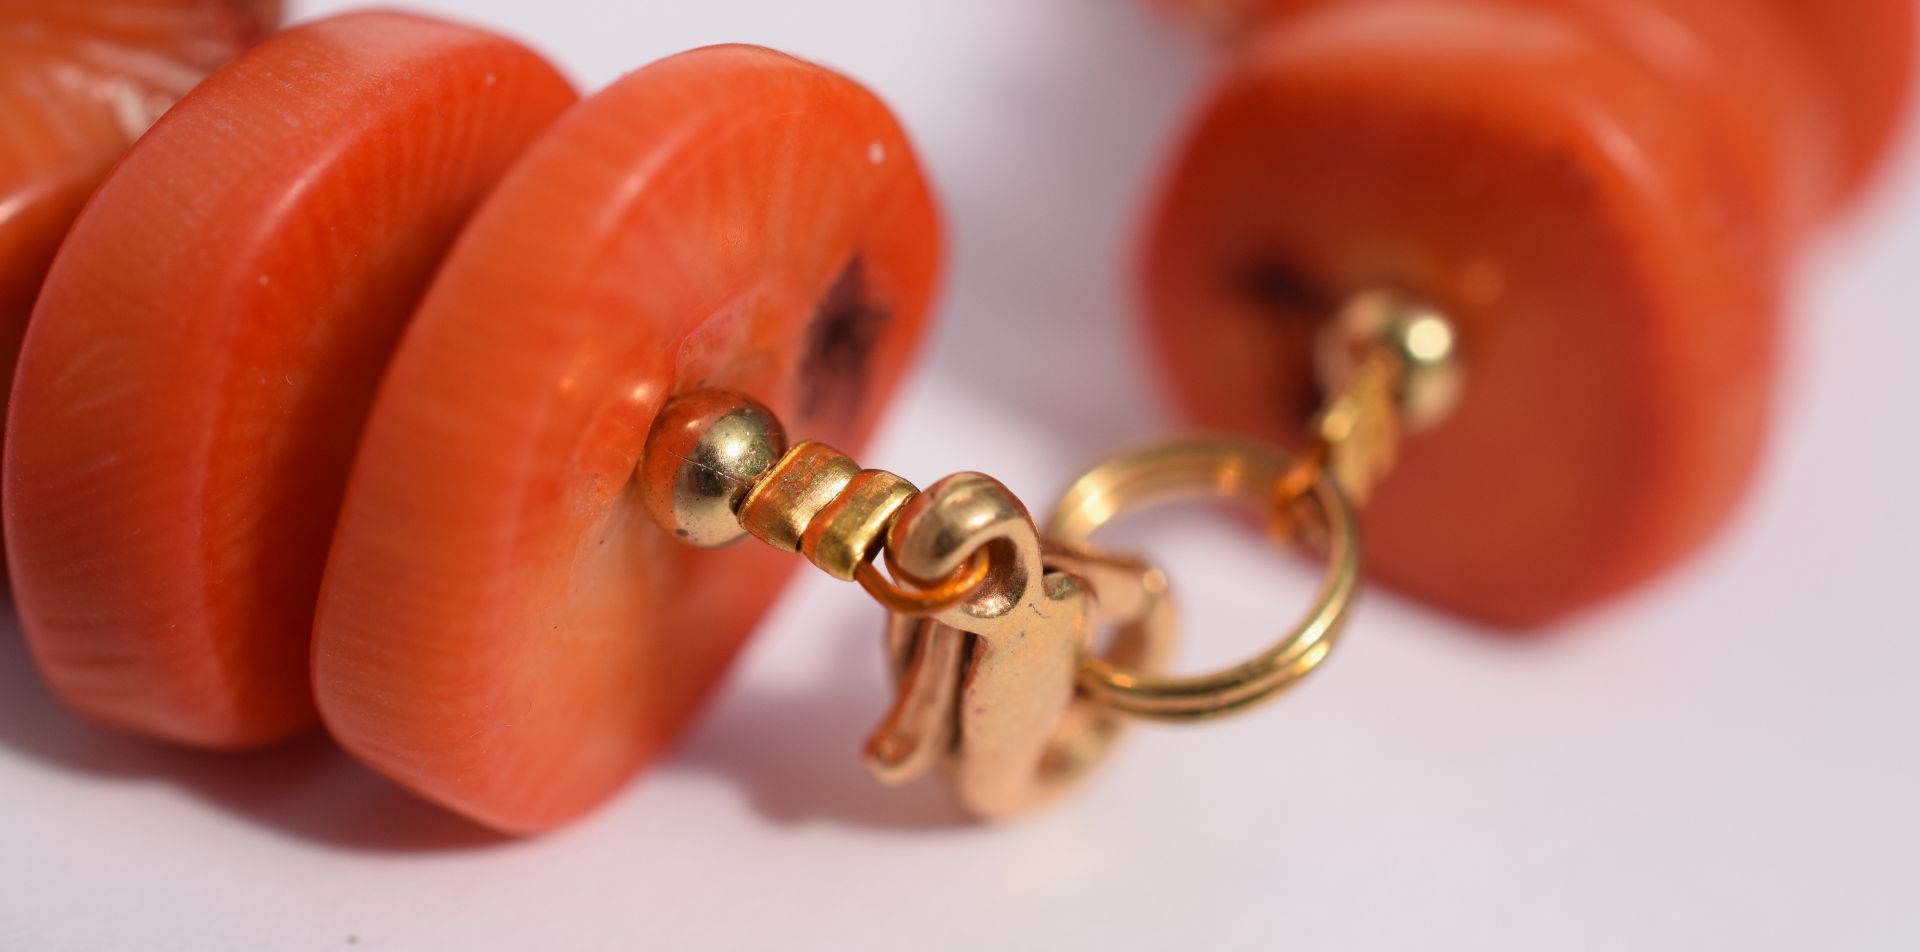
1420	339
705	452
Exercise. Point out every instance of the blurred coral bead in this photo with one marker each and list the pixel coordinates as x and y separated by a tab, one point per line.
1605	196
79	81
194	378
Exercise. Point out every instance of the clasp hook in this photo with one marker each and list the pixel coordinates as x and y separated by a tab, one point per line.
987	686
1003	688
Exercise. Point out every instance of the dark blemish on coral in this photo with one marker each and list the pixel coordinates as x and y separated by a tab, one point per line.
1283	290
846	327
1296	305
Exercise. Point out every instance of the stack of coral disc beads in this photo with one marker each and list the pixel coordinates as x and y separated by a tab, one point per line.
331	401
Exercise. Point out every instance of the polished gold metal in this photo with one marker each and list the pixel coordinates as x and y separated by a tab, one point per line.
1220	467
778	507
999	666
1357	432
1419	341
1388	366
849	530
930	661
916	734
705	451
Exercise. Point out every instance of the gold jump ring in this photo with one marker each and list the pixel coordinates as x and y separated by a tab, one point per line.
1214	467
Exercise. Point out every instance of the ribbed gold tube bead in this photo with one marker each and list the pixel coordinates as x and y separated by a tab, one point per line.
785	499
850	530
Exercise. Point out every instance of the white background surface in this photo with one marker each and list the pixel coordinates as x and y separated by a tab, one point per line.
1726	760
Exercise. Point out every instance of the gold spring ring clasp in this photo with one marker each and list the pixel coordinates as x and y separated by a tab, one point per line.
987	684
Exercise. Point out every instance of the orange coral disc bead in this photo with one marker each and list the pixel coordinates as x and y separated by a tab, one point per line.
1613	284
1864	50
197	370
78	82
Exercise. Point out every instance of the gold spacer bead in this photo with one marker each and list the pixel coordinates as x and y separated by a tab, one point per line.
705	451
785	499
847	532
1421	341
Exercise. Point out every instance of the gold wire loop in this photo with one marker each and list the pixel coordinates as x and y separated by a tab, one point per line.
951	591
1218	467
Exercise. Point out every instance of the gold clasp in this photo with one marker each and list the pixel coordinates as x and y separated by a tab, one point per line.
987	686
1002	687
